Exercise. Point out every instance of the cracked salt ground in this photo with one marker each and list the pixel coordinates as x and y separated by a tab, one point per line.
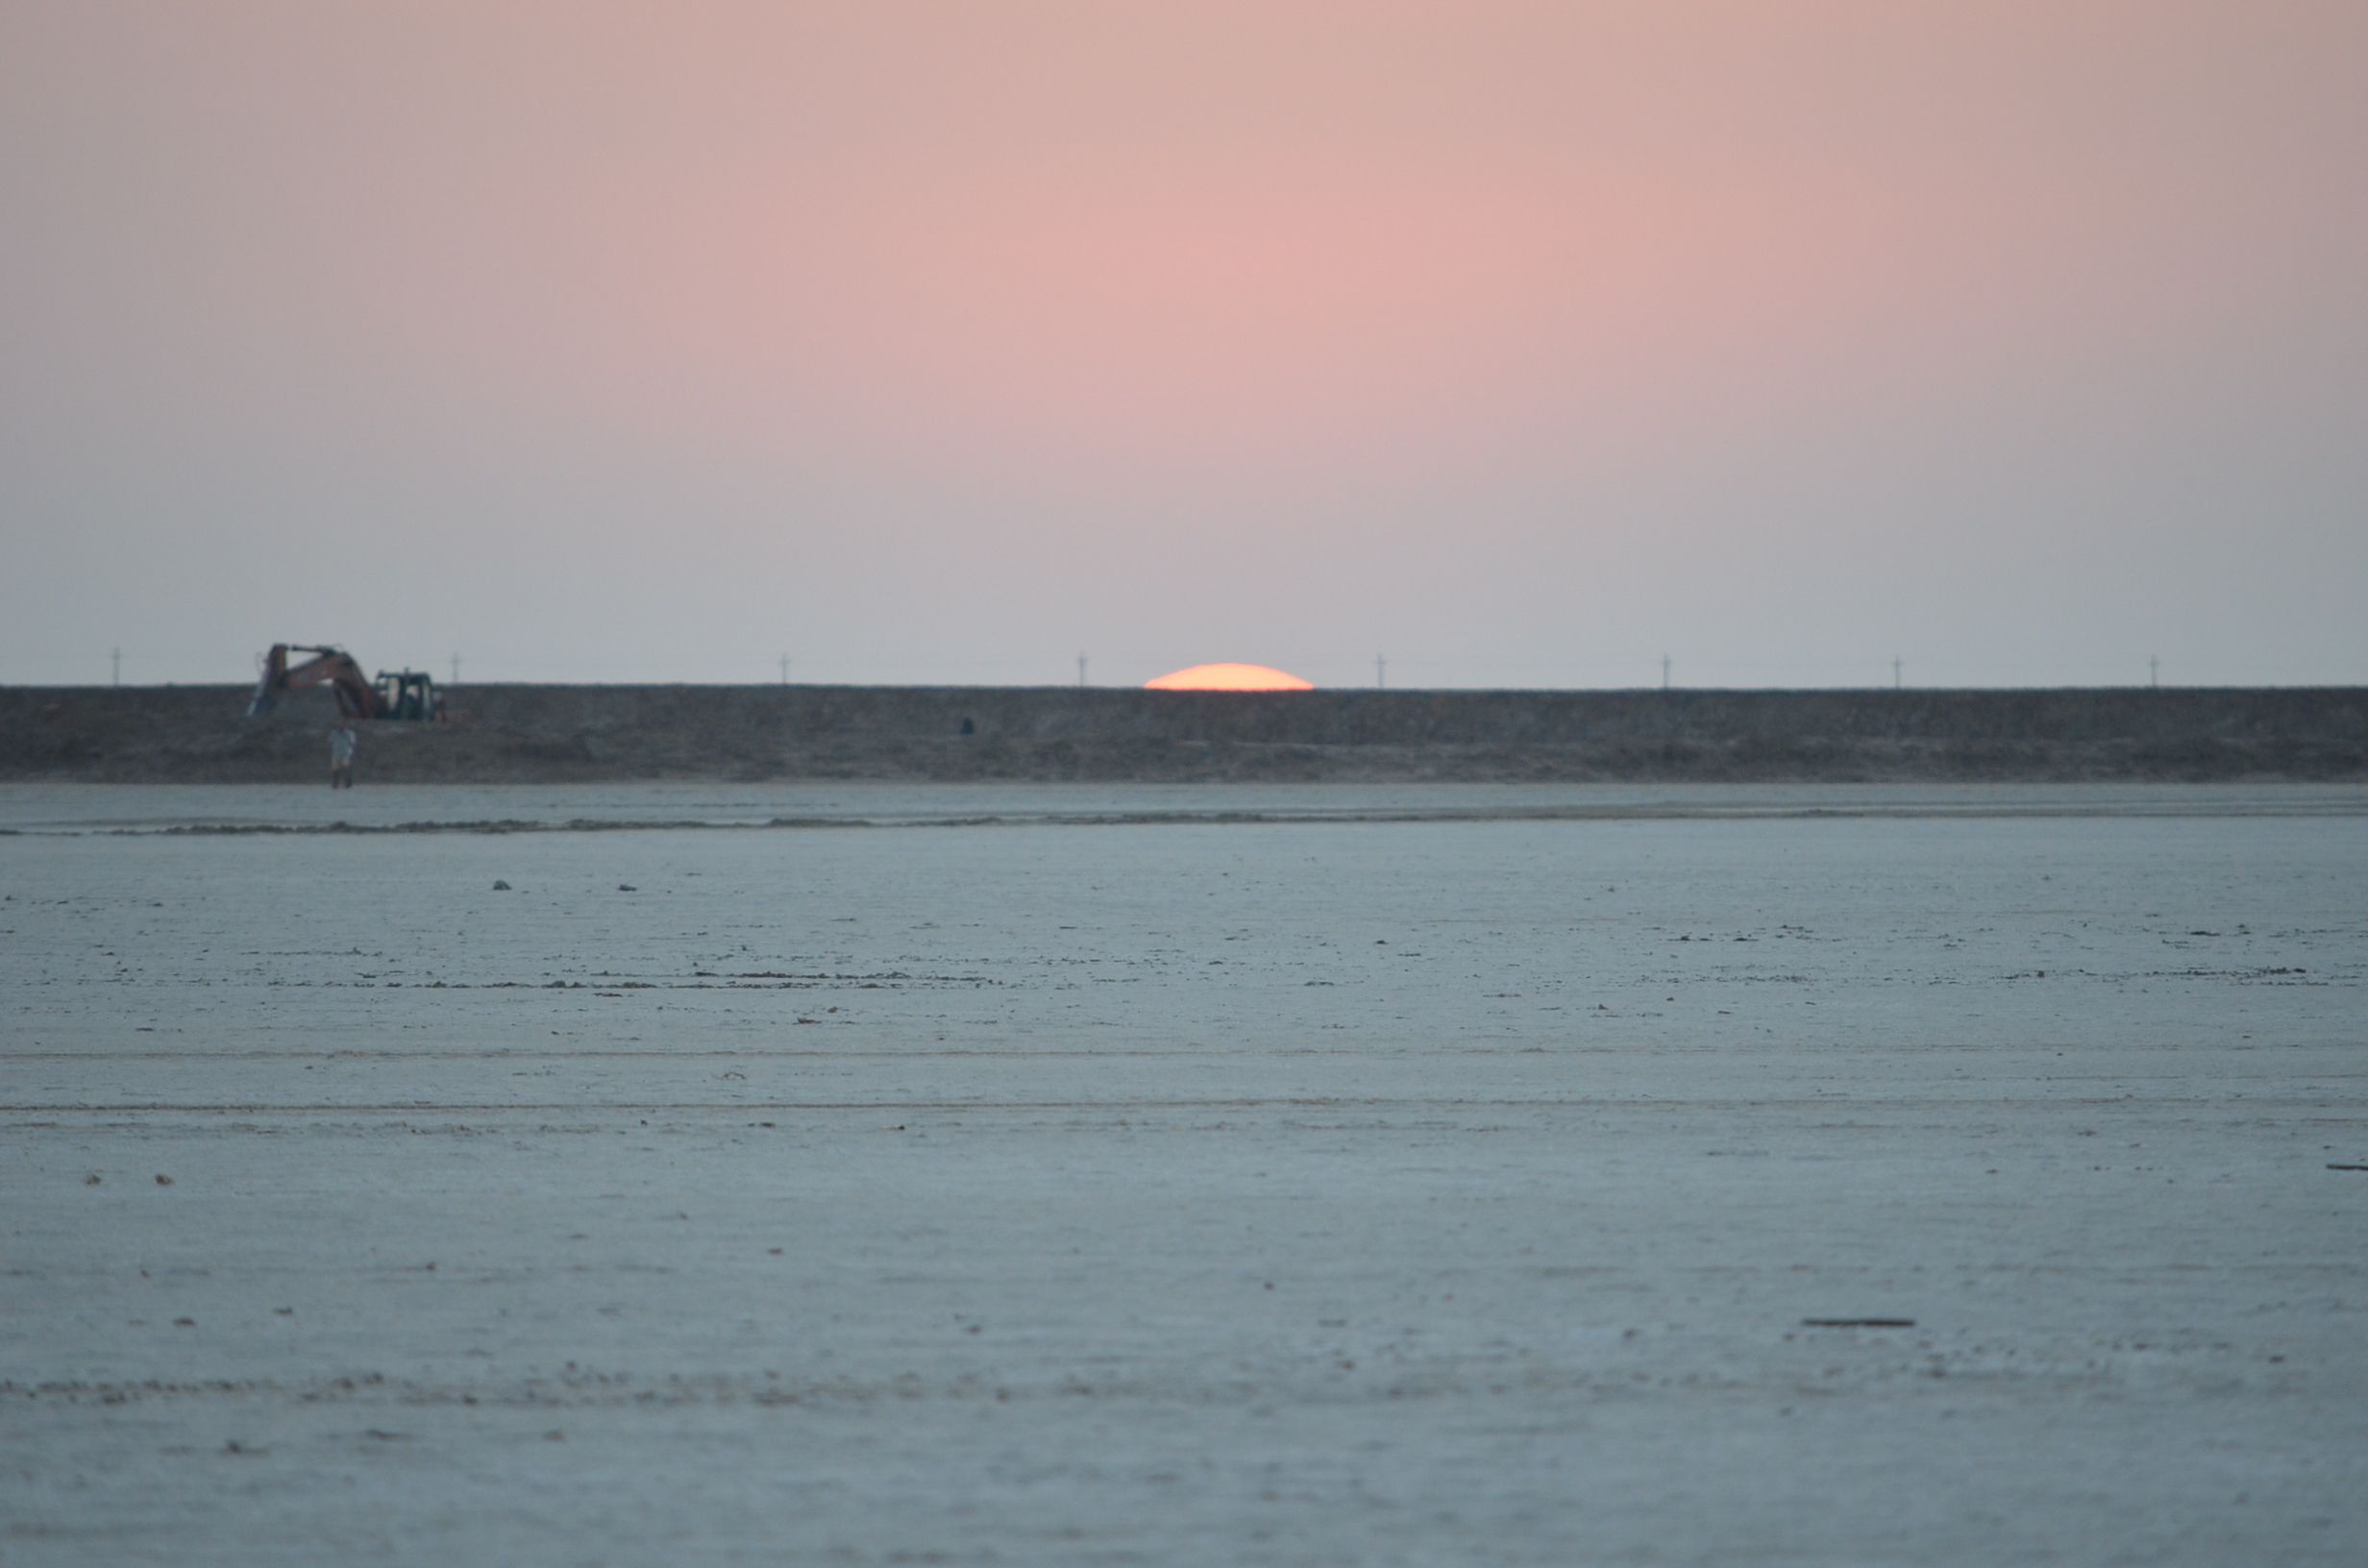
931	1195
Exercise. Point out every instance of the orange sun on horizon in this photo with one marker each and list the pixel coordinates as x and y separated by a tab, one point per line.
1229	678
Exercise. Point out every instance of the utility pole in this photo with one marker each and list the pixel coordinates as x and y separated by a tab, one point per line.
1080	669
1895	667
784	668
1665	672
456	670
2154	673
119	667
1381	667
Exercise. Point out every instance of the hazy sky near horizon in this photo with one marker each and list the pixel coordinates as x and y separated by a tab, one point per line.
1521	343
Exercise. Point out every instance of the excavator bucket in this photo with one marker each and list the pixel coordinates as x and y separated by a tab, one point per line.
271	682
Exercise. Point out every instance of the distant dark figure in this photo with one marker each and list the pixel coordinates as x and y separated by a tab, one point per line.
341	743
968	729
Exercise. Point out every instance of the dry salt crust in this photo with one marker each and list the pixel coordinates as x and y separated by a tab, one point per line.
1175	1175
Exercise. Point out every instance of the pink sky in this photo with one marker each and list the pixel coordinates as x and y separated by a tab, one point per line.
1521	343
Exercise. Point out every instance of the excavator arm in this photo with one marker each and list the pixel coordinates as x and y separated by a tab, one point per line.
357	697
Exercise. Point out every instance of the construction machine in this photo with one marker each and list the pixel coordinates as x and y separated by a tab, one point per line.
397	694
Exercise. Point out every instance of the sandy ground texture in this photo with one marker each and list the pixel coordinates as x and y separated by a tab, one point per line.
954	734
1125	1176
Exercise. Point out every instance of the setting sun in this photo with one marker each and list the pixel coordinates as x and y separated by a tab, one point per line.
1229	678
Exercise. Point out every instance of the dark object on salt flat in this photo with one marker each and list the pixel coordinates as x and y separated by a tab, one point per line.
2348	1168
1857	1322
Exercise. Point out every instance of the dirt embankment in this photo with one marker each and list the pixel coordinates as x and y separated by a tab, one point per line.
551	734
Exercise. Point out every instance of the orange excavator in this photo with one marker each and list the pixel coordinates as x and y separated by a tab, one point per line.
397	694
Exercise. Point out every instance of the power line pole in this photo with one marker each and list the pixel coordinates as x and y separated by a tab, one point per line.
1381	669
784	668
1080	669
1895	668
1665	672
2154	673
456	670
118	655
